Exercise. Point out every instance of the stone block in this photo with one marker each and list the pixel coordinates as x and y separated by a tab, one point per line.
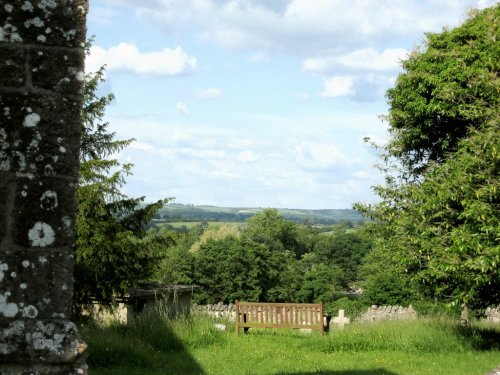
12	66
49	22
57	71
48	341
39	135
43	212
3	210
35	284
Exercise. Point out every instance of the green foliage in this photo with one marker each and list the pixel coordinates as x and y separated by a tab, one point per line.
352	307
449	86
455	211
271	259
320	282
112	249
387	289
442	226
345	250
228	270
269	227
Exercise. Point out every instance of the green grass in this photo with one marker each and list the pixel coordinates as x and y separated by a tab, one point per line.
193	346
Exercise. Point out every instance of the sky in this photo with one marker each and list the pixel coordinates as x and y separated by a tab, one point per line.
256	103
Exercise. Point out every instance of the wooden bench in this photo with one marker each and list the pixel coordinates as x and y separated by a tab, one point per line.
279	315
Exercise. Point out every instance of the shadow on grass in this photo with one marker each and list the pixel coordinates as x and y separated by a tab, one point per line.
481	338
141	348
377	371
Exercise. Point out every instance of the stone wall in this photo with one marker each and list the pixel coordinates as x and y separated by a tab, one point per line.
493	314
227	312
374	313
41	74
378	313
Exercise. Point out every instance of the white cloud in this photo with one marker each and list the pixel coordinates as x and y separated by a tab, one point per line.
303	26
101	15
362	174
210	93
182	108
316	156
259	57
202	154
141	146
247	156
126	57
481	4
245	167
360	60
338	86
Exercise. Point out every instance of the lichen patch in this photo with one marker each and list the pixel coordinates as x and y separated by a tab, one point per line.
31	120
41	235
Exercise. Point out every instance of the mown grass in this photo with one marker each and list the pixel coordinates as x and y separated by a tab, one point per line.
157	345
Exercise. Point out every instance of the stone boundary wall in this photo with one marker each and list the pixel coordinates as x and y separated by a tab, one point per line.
227	312
379	313
373	314
493	314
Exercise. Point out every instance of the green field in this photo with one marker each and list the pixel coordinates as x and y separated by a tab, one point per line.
194	346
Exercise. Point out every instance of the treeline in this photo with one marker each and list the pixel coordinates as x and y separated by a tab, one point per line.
178	212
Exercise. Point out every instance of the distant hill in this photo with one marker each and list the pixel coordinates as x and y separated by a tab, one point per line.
179	212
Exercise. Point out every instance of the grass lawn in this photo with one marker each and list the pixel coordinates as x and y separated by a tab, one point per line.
194	346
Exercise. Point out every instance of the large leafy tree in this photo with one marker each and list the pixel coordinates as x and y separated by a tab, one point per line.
446	230
449	85
442	225
270	228
112	251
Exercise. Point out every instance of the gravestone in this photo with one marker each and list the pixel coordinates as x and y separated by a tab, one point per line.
41	76
341	320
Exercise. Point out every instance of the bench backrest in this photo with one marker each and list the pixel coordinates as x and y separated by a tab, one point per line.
279	315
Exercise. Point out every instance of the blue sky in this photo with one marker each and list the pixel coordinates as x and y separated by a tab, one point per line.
256	103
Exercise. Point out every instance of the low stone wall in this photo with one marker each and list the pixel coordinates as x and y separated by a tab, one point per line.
377	313
373	314
218	310
493	314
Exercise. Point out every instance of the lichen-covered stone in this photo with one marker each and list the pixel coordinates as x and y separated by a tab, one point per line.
51	23
31	144
41	60
12	65
36	284
44	211
56	71
47	341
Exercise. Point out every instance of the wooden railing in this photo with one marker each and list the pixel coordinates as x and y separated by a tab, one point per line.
279	315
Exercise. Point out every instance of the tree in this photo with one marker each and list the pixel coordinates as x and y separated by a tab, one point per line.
446	229
269	227
449	86
111	250
442	226
437	224
344	249
228	270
